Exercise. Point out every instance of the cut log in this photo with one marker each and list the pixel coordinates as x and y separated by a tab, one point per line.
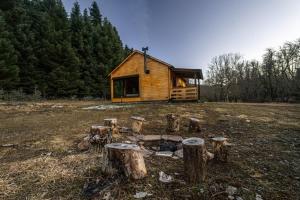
179	153
126	159
137	124
220	148
150	140
111	122
99	130
172	122
194	157
194	125
173	138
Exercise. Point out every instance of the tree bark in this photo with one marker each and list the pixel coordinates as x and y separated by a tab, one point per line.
172	122
194	157
126	159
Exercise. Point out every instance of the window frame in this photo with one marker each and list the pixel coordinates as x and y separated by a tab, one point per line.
123	85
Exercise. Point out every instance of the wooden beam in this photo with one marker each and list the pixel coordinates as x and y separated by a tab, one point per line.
198	88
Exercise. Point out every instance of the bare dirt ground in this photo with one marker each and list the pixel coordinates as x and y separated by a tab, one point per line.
45	163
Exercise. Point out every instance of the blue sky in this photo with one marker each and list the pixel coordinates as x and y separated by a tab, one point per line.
188	33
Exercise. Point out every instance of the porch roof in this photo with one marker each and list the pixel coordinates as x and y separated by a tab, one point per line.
187	72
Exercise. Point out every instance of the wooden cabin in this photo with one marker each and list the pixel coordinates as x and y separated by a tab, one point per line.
141	77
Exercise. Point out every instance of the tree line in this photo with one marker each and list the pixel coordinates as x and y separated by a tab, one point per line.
276	78
44	50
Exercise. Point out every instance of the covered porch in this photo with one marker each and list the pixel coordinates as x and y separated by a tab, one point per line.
185	84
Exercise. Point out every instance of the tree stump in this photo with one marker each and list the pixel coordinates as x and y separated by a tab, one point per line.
137	124
220	148
126	159
111	122
194	125
194	157
172	122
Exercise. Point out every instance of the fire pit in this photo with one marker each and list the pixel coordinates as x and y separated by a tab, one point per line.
161	145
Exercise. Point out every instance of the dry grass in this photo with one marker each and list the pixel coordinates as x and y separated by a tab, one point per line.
46	164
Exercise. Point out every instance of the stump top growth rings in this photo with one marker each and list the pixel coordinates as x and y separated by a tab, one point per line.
193	141
123	146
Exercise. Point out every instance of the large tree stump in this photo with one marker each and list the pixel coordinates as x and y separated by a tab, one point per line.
194	157
194	125
172	122
137	124
220	148
126	159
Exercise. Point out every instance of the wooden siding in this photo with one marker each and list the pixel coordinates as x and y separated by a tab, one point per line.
153	86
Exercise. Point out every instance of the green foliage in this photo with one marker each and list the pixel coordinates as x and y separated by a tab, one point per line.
8	59
42	49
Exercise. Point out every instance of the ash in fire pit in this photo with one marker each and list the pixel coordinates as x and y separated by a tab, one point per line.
167	146
160	143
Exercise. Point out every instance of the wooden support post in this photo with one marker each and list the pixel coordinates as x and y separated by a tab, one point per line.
172	122
194	157
137	124
220	148
194	125
126	159
198	87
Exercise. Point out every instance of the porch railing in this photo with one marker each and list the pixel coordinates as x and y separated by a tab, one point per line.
188	93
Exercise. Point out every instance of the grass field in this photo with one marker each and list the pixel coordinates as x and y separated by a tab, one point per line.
45	163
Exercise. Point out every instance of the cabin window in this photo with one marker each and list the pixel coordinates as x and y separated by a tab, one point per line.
126	87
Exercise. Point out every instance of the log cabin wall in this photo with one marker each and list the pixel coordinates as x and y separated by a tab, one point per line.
154	86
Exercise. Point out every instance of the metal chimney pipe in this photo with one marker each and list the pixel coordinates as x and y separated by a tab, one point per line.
146	70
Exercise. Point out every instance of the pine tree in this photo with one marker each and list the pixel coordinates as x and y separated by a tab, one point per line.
96	16
8	59
76	28
89	68
60	56
7	4
126	51
21	21
61	61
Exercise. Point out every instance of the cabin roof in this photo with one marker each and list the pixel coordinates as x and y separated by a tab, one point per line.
185	72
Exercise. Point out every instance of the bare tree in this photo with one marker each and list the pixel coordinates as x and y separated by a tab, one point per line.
276	78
